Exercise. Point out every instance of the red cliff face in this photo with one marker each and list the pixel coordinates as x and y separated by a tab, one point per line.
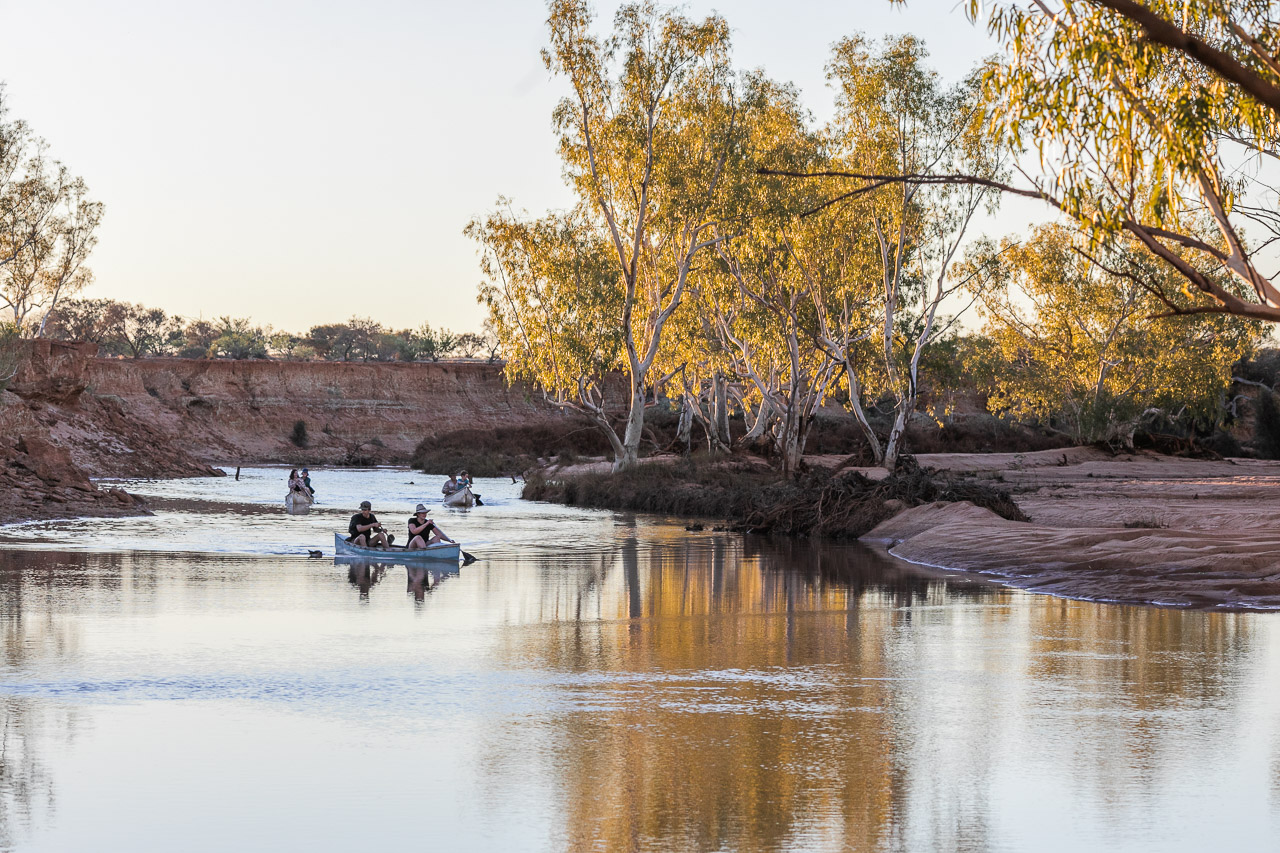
68	414
243	412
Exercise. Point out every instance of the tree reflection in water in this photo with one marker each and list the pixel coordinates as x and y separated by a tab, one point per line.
689	692
769	695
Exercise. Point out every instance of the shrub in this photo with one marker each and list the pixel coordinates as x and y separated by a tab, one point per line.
299	434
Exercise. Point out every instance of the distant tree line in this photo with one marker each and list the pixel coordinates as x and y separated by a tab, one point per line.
136	331
48	228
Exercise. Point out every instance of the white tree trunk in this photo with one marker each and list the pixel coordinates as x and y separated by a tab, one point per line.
721	410
893	449
764	416
789	445
860	414
684	431
626	456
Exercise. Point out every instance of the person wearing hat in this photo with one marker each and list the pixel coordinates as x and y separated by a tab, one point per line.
420	527
365	530
306	480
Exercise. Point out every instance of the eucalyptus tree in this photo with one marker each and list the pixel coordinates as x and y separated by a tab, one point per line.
894	120
1080	346
646	137
699	368
553	299
48	226
767	296
1148	119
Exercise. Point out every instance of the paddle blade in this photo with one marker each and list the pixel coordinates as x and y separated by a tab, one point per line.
467	559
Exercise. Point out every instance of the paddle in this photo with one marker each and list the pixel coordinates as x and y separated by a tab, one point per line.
467	559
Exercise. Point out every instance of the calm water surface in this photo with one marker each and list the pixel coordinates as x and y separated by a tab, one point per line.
597	681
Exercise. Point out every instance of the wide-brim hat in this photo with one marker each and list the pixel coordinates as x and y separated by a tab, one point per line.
419	508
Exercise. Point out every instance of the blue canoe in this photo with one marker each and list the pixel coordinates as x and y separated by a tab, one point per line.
439	551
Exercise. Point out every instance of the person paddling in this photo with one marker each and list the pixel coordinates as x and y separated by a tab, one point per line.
421	527
450	486
365	530
465	482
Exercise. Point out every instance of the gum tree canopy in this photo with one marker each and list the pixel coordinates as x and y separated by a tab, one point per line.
646	130
1156	124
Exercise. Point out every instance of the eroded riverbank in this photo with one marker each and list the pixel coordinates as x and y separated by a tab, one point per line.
1133	528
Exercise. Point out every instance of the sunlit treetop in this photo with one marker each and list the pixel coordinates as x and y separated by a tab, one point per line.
1148	120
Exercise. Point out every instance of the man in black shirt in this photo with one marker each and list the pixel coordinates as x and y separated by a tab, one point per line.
365	530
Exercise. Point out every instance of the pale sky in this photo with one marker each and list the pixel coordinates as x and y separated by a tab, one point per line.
300	162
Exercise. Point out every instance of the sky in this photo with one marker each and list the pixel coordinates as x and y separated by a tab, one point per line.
303	162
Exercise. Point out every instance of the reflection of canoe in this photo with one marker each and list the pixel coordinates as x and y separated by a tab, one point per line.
297	501
463	497
396	553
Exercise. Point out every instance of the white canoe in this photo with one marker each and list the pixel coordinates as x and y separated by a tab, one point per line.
295	501
463	497
439	551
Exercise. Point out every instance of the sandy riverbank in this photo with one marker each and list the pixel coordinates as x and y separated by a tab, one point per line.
1141	528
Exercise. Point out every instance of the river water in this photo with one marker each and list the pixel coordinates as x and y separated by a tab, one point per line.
595	681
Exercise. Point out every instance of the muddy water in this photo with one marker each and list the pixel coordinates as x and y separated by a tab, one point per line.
597	681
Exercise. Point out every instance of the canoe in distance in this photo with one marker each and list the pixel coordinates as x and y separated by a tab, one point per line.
439	551
463	498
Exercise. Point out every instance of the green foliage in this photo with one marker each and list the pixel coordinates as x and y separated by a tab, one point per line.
1081	346
299	434
197	337
120	328
553	301
1149	119
425	343
237	338
647	136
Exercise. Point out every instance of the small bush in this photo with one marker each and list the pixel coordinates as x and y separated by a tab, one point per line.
299	434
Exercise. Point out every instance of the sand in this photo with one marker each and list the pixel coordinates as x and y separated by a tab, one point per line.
1137	528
